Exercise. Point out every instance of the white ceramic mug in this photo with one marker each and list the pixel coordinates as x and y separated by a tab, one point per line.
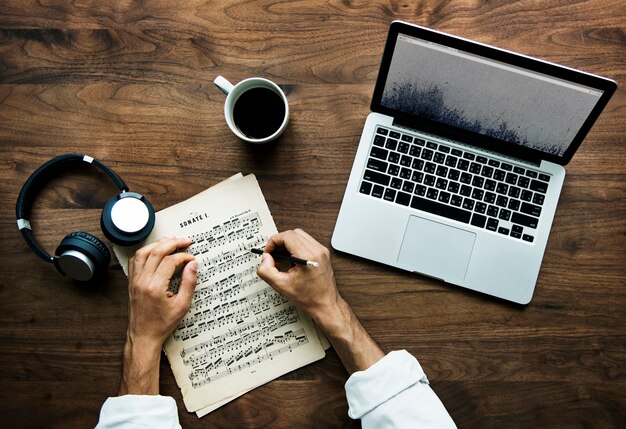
233	92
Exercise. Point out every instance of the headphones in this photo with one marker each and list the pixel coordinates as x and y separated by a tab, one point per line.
126	219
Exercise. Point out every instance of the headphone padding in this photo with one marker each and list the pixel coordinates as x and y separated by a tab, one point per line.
89	245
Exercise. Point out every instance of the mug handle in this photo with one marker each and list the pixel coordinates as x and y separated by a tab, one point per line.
223	84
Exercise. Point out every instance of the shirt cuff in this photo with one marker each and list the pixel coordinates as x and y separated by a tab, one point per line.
135	411
394	373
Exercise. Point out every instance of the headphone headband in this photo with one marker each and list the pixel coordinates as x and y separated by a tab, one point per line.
37	180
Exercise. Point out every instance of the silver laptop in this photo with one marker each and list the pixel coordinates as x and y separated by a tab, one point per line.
460	165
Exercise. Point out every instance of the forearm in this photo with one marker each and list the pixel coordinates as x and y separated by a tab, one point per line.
140	374
356	349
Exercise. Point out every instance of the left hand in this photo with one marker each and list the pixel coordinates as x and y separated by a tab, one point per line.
154	311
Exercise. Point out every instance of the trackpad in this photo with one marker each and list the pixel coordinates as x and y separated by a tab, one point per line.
435	249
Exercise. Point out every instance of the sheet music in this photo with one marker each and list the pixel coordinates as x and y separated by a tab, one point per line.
239	333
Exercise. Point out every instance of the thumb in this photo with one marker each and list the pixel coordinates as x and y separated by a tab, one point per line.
188	282
268	271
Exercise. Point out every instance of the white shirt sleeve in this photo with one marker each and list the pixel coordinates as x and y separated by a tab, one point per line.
394	393
139	411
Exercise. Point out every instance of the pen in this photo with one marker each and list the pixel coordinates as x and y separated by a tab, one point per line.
288	258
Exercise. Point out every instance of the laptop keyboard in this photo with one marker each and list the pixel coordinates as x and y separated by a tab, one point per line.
454	183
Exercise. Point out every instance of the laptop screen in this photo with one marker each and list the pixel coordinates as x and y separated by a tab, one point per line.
467	89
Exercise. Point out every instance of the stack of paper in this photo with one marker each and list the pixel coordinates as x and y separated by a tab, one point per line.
239	332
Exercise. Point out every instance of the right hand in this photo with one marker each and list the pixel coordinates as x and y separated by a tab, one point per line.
311	288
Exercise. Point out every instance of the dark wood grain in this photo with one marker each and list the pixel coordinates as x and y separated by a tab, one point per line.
130	83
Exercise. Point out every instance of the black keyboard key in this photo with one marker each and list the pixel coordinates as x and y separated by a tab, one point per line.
494	163
505	214
390	194
391	144
518	170
429	180
378	191
468	204
374	176
463	164
451	161
441	209
469	156
487	171
393	169
432	193
479	220
511	178
528	238
406	138
396	183
442	171
415	150
544	177
457	152
439	158
444	149
522	219
466	178
492	224
531	173
382	131
417	176
394	157
492	211
516	235
405	173
379	141
475	168
366	188
499	175
431	145
531	209
454	187
377	165
478	194
502	188
490	197
420	190
480	208
403	147
403	198
502	201
379	153
394	134
514	204
481	159
523	182
505	166
503	230
454	174
490	185
419	142
466	191
517	228
538	186
514	191
430	167
406	160
527	195
444	197
418	164
539	199
441	183
478	181
427	154
456	200
408	186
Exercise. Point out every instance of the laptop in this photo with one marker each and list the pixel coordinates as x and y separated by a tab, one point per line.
461	162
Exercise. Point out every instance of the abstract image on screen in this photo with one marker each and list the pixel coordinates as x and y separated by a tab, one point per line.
488	99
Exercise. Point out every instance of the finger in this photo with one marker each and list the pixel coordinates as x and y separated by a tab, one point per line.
169	264
268	272
141	255
291	241
165	247
188	284
307	237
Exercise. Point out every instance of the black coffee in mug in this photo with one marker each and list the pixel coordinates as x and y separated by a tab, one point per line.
259	112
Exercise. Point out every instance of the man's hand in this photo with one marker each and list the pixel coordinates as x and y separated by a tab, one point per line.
315	291
154	312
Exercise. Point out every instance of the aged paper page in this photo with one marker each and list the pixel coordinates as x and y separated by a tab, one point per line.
239	332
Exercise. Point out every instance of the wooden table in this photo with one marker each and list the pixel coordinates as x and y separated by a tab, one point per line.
130	83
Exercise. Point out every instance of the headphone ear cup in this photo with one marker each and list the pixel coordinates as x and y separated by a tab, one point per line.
127	219
82	256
